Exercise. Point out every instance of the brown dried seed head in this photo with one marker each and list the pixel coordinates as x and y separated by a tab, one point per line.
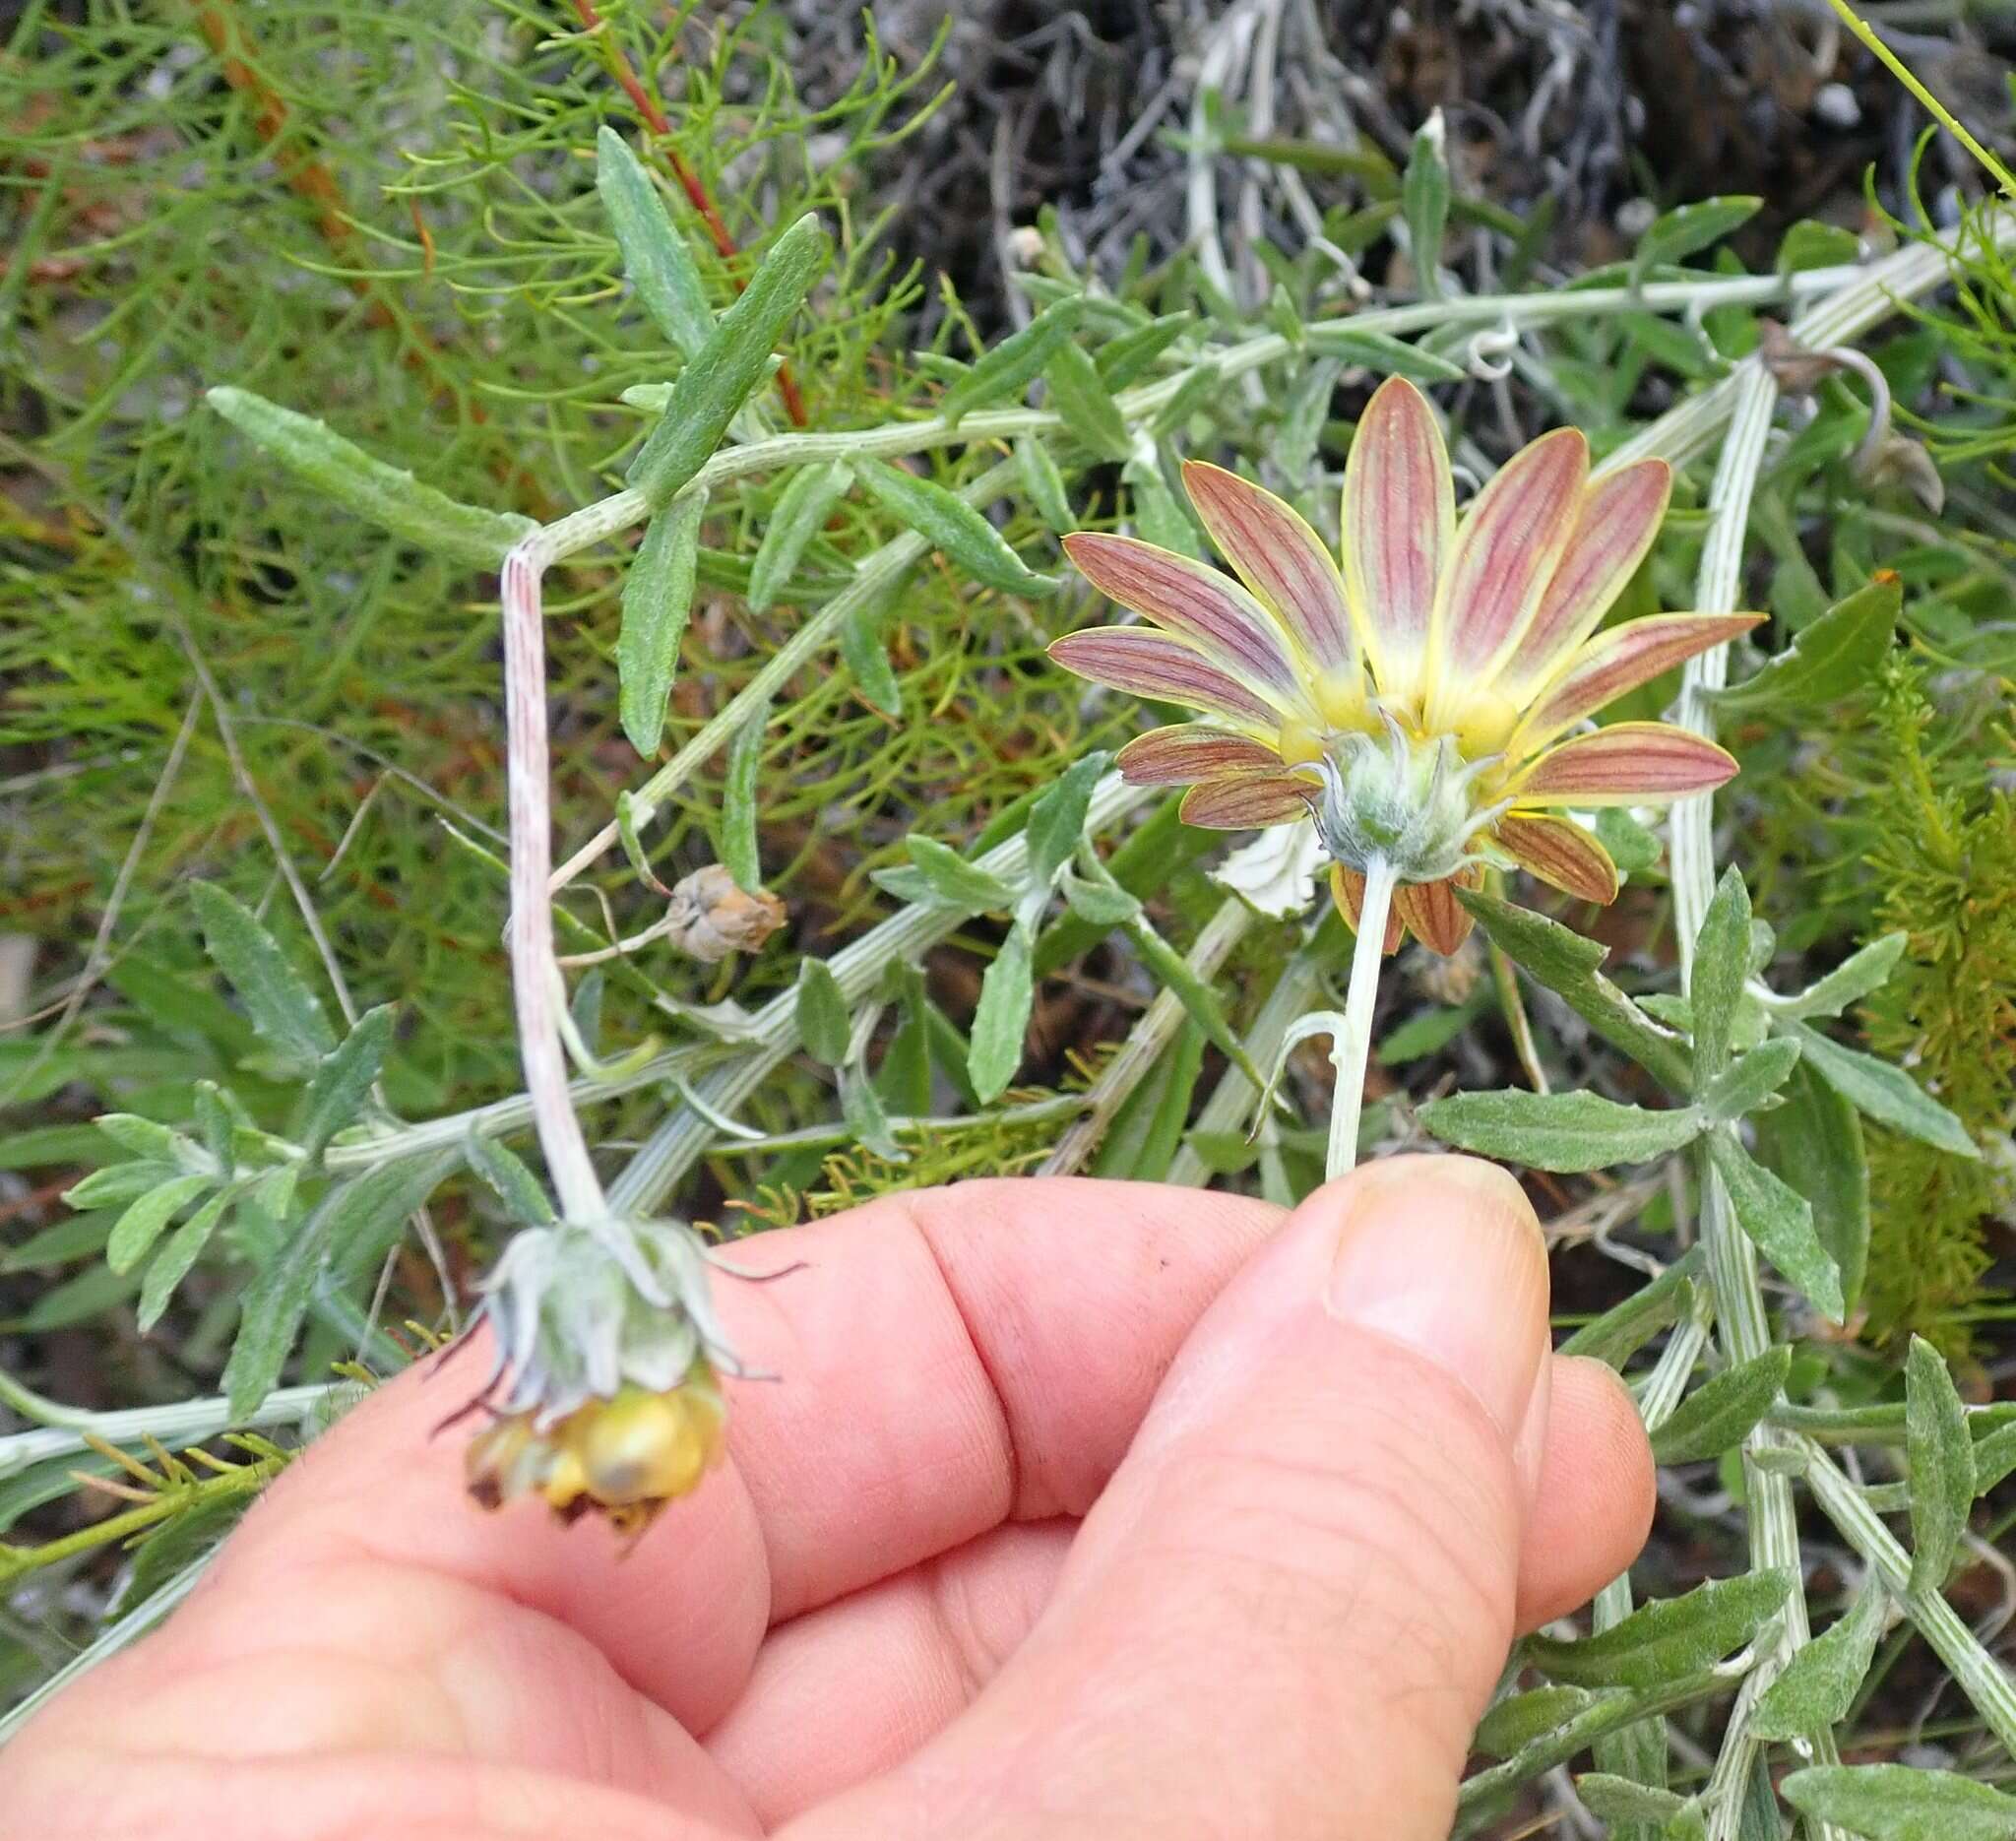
711	918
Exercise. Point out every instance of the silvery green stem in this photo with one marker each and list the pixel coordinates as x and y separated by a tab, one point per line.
63	1429
1350	1050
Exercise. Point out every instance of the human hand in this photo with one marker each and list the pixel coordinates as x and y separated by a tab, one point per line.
1325	1469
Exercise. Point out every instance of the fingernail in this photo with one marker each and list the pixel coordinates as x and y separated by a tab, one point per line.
1444	1254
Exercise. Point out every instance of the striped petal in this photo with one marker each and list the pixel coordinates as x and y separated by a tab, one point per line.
1347	891
1626	764
1183	755
1507	548
1195	602
1434	915
1618	660
1150	665
1247	801
1399	520
1561	854
1286	565
1619	517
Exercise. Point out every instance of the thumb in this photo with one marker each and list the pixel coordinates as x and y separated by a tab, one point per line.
1290	1607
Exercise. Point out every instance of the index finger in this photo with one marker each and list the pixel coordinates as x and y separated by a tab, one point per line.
946	1361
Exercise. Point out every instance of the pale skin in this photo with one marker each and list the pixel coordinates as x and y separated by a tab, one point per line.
1079	1509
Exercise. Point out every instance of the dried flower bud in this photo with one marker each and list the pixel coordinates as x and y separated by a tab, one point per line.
709	916
1898	461
1795	369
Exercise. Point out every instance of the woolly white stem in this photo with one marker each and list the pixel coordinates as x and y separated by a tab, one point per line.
1350	1050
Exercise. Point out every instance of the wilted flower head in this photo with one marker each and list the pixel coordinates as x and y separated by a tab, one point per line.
710	917
1420	701
605	1395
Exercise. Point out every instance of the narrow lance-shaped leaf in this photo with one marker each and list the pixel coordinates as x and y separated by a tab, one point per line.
861	1106
1895	1803
1519	1719
284	1010
1621	1800
1057	822
1884	1093
1833	656
657	597
1940	1450
1751	1080
1625	1328
1170	970
740	854
345	1078
1007	996
1854	979
1562	1131
719	377
508	1176
179	1253
1717	1415
822	1014
1085	404
1780	1222
1722	963
1148	1129
1016	361
1043	484
1820	1682
866	654
1687	230
656	257
1424	199
1385	354
143	1137
938	875
800	514
1667	1638
387	496
948	523
136	1230
1815	1142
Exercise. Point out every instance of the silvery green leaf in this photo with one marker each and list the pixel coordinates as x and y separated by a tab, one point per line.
1385	354
949	524
284	1010
1103	905
1894	1803
1307	408
1667	1637
1814	1141
1852	979
1620	1800
1043	484
143	1137
1562	1131
1428	1030
1717	1415
509	1180
1812	243
1082	401
1688	228
654	255
1172	971
1751	1080
822	1014
1424	200
388	496
657	597
1833	654
1626	1327
1157	517
1057	822
866	655
138	1228
800	515
1004	368
719	377
586	1010
345	1077
1566	962
1143	1139
1940	1450
1886	1094
1780	1221
941	876
740	852
1632	848
121	1182
1519	1719
1001	1023
861	1106
1722	963
1821	1680
1128	357
181	1251
219	1128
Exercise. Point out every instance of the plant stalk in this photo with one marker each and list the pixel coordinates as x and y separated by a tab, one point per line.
1350	1050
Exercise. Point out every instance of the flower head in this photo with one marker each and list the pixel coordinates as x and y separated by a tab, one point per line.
605	1395
1425	703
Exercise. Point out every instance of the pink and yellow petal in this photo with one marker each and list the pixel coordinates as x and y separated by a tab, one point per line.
1618	660
1189	752
1399	522
1347	891
1247	802
1148	665
1617	517
1434	915
1559	853
1283	562
1506	550
1193	603
1626	764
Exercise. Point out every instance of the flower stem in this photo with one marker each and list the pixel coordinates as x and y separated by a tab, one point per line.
1349	1051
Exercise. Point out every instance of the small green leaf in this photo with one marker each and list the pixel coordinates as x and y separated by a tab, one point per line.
1104	905
1123	360
121	1183
1632	848
1564	1131
284	1010
941	876
861	1106
1717	1416
1751	1080
1043	484
1625	1328
1780	1221
1428	1030
657	596
822	1015
1811	245
181	1251
1688	229
1057	822
739	851
1170	970
1895	1803
1667	1638
1385	354
1144	1137
1835	654
1519	1719
1424	200
999	1026
719	377
948	523
1016	361
1854	979
1722	962
1621	1800
1940	1450
654	255
345	1078
1815	1142
1157	516
509	1178
137	1229
219	1129
387	496
1820	1682
1565	961
143	1137
800	515
1085	404
1886	1094
866	656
